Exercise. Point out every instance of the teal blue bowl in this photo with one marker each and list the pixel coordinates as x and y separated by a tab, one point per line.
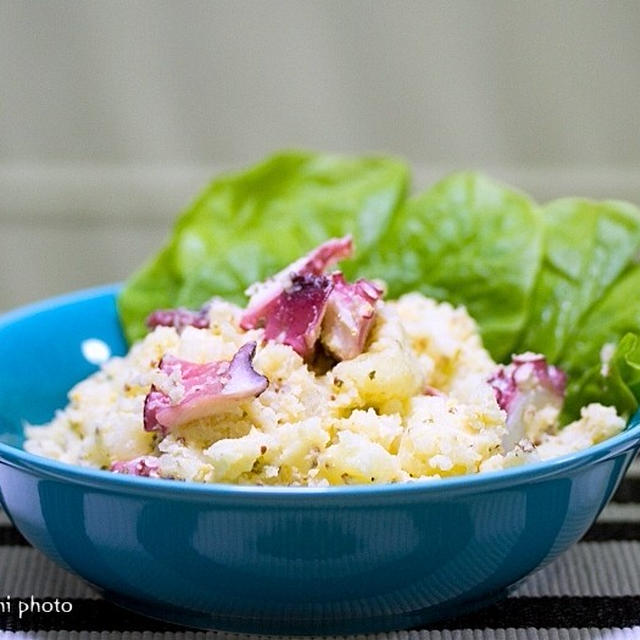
274	560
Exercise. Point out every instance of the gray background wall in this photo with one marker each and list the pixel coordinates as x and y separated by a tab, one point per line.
113	114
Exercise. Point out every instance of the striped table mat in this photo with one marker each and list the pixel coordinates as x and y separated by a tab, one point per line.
592	591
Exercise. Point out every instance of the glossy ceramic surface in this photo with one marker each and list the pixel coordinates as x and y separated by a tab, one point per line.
282	560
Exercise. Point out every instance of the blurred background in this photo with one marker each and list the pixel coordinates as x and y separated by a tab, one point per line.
114	114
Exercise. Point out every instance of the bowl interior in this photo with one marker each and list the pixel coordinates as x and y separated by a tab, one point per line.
47	348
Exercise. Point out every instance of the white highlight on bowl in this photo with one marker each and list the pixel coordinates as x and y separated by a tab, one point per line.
95	351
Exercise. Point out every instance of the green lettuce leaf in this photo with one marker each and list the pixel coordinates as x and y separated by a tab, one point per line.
248	225
614	315
617	384
587	246
471	241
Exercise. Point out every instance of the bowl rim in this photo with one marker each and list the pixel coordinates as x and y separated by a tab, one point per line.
626	440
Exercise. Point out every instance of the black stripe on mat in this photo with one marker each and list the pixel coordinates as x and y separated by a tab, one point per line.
628	491
544	612
86	615
548	611
10	536
613	531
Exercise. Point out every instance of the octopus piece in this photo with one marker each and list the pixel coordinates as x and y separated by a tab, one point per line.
523	387
209	388
349	316
144	466
179	318
264	295
296	315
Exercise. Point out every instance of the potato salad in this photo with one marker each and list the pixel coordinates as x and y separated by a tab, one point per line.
318	381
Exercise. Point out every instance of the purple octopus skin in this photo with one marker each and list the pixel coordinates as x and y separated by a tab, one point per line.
526	371
528	383
179	318
209	388
264	294
154	403
295	316
349	316
144	466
